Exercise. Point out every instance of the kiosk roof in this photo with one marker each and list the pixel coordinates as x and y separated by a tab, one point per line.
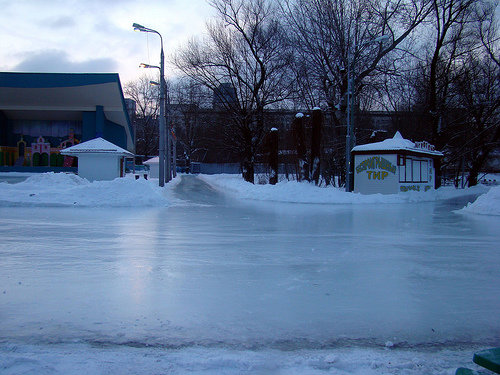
397	143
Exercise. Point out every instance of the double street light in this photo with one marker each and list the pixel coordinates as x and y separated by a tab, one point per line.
163	167
350	121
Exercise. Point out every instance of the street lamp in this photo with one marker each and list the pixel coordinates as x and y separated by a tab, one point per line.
143	65
171	173
161	148
350	120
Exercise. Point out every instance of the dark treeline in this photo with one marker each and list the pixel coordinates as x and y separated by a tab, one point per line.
432	66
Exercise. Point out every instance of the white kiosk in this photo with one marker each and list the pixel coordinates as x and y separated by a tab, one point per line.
99	159
394	165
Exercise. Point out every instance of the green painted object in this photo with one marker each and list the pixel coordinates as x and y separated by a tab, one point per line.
464	371
489	359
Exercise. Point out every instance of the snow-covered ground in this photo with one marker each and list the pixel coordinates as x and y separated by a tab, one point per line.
97	358
67	189
486	204
295	192
213	279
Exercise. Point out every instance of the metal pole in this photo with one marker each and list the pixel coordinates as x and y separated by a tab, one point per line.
161	150
348	130
174	158
162	122
168	159
168	171
135	145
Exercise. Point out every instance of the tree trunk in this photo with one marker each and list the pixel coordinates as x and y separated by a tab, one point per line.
477	165
273	156
300	146
248	171
247	162
484	153
317	122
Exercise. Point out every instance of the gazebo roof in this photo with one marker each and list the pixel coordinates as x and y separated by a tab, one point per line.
155	160
96	146
398	143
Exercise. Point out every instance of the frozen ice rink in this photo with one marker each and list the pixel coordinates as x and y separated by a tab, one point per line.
215	286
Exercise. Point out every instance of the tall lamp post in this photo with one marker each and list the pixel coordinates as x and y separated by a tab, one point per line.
168	166
162	143
350	119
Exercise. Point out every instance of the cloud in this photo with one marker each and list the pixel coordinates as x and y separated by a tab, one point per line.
57	61
60	22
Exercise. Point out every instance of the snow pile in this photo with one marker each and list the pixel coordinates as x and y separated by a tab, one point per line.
69	359
486	204
62	189
297	192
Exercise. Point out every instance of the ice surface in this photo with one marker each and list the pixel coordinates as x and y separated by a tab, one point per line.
218	285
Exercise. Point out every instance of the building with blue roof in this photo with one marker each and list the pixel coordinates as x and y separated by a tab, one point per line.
43	113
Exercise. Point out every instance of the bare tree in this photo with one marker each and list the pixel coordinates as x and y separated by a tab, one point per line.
332	34
460	34
316	122
299	136
488	29
246	53
189	103
450	20
476	92
333	37
146	97
273	156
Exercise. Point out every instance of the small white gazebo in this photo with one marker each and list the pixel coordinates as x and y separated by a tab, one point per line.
99	159
154	167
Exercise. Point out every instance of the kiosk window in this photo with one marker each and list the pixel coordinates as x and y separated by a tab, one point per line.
408	171
424	168
413	170
416	171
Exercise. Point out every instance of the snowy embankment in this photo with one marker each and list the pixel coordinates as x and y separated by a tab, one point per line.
297	192
486	204
69	359
63	189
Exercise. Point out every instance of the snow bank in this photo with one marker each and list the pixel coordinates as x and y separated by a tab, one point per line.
69	359
63	189
486	204
296	192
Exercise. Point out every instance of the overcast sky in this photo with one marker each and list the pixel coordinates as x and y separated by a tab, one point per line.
94	35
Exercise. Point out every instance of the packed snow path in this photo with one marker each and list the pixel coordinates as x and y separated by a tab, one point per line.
213	285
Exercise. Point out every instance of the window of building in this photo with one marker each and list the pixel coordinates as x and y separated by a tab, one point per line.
413	170
416	170
424	170
408	171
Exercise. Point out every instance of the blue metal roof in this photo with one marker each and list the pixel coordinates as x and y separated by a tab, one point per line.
50	80
19	88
